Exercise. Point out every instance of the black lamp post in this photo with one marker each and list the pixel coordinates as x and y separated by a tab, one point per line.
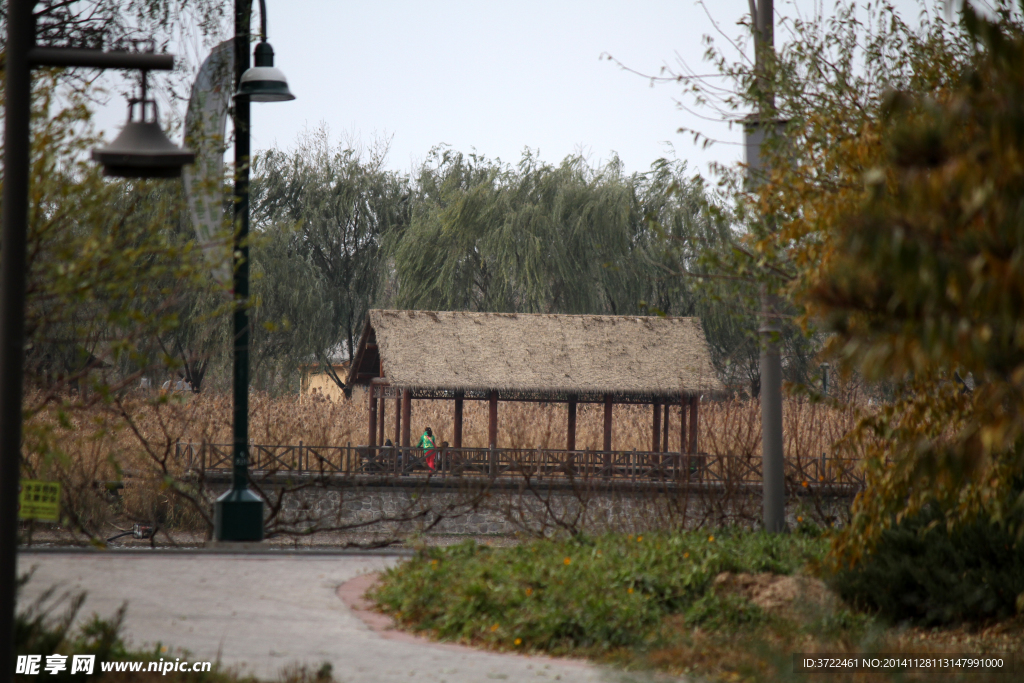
238	514
21	56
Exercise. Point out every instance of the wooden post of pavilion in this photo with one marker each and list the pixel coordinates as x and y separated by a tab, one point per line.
607	422
684	460
570	438
406	416
398	418
694	401
371	437
457	432
665	459
656	426
607	434
664	448
492	420
380	405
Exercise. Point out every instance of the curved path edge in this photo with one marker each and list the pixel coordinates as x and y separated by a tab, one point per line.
353	595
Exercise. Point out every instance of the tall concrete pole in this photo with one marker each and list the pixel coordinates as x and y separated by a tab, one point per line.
771	426
772	462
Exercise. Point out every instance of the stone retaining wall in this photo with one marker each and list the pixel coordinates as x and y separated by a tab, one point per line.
480	507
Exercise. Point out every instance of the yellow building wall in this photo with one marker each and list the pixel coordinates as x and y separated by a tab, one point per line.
321	383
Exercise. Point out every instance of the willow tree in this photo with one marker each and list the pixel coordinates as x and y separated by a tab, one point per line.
335	205
106	23
532	238
690	242
293	315
529	238
566	238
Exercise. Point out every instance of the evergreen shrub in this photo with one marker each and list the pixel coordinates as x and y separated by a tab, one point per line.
921	572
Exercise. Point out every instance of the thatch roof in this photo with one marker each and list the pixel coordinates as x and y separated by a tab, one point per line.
564	354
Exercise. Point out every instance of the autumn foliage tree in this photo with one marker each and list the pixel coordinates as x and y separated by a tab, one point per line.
925	284
825	85
890	220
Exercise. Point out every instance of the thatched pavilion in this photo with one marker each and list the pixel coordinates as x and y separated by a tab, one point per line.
571	359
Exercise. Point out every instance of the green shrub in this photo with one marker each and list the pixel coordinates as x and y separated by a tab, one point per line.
922	573
589	594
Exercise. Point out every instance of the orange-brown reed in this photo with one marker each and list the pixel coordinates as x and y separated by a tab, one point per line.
138	431
132	438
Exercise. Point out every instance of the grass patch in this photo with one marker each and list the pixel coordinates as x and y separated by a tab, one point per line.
582	596
652	602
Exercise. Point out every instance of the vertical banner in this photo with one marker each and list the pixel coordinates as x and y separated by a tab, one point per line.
205	127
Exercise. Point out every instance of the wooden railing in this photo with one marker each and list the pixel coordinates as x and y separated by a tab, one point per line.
533	463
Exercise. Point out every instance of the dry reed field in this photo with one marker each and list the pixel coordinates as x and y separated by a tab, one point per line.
140	432
132	438
731	427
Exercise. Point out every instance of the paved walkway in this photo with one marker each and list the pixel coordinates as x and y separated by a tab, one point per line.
262	611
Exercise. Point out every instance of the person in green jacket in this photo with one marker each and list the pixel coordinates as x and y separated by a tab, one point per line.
429	449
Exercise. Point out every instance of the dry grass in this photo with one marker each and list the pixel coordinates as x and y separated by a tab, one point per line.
132	439
726	427
730	427
765	652
139	433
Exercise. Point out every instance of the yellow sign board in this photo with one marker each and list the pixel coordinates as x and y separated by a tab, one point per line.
39	500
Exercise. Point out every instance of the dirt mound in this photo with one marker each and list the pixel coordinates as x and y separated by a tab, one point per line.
787	595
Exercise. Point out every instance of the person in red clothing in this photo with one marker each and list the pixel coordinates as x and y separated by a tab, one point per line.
429	449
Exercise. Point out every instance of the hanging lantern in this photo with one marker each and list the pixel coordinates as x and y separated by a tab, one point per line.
264	82
142	150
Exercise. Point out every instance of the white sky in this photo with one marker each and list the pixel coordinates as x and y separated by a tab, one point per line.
494	77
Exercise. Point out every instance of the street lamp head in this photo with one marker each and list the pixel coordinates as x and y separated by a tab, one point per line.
264	82
142	150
